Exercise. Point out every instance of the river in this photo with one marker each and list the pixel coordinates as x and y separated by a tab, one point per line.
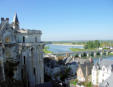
65	48
62	48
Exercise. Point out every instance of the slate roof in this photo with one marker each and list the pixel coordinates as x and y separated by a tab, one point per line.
104	62
15	19
83	67
108	82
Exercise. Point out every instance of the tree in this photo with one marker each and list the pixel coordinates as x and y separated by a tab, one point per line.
92	44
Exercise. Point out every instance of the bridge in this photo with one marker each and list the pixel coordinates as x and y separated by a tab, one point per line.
84	53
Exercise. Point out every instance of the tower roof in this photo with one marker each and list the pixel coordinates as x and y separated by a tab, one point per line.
15	19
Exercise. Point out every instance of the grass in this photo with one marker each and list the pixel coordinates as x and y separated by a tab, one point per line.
46	50
111	54
88	84
78	49
74	82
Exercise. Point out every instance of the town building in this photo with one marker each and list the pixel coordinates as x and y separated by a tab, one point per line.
101	71
23	46
84	70
108	82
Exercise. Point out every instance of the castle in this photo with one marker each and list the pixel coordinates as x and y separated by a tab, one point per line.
23	46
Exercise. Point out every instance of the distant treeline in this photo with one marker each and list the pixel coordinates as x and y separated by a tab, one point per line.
65	42
86	43
92	44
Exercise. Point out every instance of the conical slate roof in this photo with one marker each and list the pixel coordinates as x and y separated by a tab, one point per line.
15	19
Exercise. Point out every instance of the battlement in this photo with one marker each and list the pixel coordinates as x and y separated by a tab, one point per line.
4	20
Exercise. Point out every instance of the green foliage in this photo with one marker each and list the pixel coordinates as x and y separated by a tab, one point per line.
76	49
74	82
103	43
108	43
88	84
92	44
111	54
73	43
46	49
69	42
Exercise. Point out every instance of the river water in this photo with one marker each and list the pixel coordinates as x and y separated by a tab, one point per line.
62	48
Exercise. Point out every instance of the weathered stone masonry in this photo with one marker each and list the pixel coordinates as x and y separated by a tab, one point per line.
24	46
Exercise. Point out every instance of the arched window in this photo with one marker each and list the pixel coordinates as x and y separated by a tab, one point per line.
24	60
32	49
22	73
35	39
34	71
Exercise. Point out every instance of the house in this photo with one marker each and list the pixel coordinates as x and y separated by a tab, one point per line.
108	82
101	71
84	70
23	46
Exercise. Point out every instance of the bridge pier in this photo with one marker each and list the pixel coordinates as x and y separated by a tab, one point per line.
87	54
79	55
73	58
107	53
67	54
95	54
101	53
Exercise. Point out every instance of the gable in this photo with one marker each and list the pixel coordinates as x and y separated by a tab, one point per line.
80	73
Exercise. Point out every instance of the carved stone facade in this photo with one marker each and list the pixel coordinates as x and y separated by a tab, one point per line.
24	46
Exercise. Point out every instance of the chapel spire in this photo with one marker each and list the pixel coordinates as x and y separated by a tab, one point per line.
15	22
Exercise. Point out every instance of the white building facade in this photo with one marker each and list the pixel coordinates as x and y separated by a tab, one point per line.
101	71
24	46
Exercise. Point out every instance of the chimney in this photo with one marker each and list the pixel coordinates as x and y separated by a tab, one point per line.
7	19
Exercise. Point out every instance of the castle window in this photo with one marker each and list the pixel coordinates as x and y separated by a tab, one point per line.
35	39
22	73
34	71
24	60
32	49
23	39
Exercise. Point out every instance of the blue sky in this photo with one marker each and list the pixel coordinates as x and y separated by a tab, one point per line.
63	19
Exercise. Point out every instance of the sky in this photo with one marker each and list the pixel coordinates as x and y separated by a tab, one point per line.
63	19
